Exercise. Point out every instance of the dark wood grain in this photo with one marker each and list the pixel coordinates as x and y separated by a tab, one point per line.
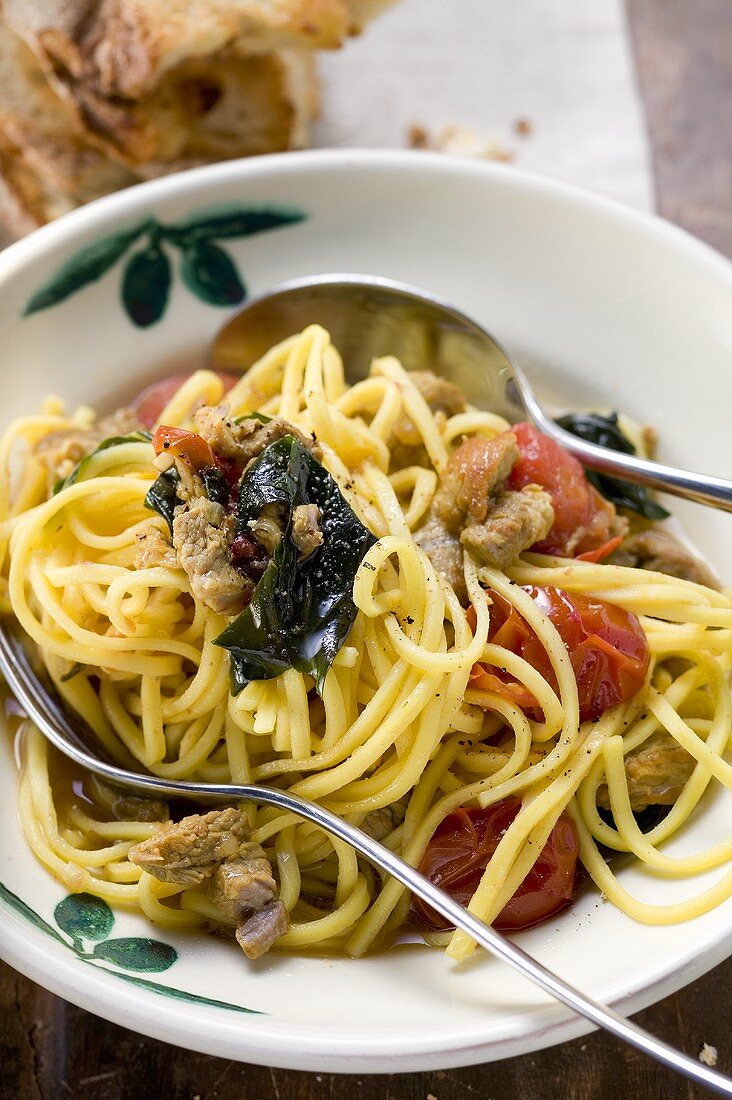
50	1049
684	62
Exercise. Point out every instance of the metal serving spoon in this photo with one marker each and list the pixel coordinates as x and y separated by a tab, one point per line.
45	711
367	317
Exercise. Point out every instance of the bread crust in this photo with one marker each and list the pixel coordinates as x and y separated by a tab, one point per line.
158	86
123	48
96	94
46	166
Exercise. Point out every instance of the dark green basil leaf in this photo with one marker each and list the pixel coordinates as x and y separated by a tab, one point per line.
145	285
301	612
113	441
606	432
237	223
86	266
210	274
162	496
216	486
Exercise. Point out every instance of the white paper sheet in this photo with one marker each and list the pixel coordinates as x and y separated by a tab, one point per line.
566	65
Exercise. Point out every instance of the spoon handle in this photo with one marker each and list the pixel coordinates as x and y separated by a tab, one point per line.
54	725
701	488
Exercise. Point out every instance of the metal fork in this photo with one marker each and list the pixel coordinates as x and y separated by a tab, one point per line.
47	714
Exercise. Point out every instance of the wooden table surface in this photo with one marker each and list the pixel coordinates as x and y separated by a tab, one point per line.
49	1049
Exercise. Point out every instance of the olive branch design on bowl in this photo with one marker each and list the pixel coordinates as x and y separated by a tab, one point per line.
84	923
84	917
206	268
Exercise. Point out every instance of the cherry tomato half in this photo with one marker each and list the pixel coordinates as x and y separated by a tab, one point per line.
582	517
151	401
606	644
461	848
189	446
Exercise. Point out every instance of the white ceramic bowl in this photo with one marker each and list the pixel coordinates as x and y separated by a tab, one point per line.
604	307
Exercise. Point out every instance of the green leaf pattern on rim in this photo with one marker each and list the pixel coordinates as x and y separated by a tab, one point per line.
84	917
207	269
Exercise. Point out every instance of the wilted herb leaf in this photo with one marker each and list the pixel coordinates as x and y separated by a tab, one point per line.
162	496
606	432
301	612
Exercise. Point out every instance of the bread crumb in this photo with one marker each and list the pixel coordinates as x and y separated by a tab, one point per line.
649	439
523	127
418	138
431	1096
459	141
708	1055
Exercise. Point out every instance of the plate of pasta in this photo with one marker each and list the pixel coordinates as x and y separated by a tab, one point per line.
366	591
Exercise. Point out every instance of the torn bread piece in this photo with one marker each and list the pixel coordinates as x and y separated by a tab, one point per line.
189	79
46	166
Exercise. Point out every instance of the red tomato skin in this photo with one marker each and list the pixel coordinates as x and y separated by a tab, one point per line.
151	401
582	517
461	848
606	644
188	446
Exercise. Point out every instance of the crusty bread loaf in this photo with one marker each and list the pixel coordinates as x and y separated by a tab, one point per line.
96	94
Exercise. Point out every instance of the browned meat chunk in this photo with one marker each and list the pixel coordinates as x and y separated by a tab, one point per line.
379	823
128	807
256	935
516	521
61	450
244	441
154	549
188	851
660	552
441	395
306	532
443	549
657	772
477	470
405	442
243	883
202	537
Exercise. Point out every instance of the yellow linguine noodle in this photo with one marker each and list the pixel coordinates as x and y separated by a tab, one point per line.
133	652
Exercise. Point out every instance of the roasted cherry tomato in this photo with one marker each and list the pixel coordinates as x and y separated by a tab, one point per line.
606	644
188	446
461	847
582	517
152	400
